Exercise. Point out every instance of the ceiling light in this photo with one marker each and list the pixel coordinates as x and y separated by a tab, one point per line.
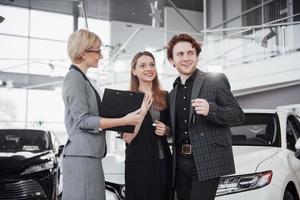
155	14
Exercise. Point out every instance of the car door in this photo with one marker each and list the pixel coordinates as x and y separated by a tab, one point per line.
292	134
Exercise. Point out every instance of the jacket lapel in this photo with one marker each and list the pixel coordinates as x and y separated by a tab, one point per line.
172	105
200	76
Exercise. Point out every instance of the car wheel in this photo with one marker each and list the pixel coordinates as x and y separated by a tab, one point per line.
288	195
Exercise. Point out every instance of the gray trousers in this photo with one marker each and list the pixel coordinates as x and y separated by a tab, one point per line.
83	178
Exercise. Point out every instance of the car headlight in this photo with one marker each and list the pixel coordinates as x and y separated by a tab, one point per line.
241	183
40	167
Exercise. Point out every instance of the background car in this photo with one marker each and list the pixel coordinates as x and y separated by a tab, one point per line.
266	150
29	164
113	165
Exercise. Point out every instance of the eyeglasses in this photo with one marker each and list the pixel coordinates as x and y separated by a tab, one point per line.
99	51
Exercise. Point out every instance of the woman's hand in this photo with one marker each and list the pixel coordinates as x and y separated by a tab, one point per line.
128	137
147	102
134	117
160	128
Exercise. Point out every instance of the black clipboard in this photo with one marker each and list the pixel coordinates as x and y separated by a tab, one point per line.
118	103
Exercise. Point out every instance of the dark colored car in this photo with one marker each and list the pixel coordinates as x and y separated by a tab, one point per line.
28	164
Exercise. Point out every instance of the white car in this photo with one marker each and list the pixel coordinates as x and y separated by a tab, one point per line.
266	151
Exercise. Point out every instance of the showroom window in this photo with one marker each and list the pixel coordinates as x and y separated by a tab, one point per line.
35	42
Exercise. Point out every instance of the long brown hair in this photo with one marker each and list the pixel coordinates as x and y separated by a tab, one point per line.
159	96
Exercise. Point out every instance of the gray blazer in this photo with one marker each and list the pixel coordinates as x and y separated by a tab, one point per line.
210	136
81	117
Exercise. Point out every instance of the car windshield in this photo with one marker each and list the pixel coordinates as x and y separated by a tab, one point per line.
257	130
13	140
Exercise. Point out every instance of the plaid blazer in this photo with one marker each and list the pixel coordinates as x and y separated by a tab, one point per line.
210	135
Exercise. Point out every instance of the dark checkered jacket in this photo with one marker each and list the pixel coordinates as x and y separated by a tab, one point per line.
210	136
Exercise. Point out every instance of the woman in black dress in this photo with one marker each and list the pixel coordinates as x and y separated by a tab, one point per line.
148	157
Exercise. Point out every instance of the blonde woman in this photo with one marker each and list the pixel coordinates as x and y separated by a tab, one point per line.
83	177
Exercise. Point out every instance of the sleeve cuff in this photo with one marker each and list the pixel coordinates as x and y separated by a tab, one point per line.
100	129
212	110
95	122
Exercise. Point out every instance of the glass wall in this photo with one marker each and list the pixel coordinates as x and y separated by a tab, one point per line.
234	48
34	42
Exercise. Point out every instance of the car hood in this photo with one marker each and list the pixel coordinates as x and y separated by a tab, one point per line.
247	158
13	164
18	156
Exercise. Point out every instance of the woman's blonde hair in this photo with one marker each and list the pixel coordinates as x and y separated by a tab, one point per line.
79	42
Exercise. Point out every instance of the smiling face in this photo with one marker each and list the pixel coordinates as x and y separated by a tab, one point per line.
145	69
184	58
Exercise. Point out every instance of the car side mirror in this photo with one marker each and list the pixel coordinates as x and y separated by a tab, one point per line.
297	147
60	149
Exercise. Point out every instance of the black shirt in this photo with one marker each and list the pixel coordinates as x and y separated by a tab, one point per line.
182	109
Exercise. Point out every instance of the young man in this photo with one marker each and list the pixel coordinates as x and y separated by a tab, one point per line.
202	107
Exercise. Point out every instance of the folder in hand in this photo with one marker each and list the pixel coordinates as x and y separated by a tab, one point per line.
118	103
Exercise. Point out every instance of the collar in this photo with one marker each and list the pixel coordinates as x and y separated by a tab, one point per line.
191	78
81	72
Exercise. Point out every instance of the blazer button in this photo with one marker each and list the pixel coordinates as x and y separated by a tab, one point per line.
202	134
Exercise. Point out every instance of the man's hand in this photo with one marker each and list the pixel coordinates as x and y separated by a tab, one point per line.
201	106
